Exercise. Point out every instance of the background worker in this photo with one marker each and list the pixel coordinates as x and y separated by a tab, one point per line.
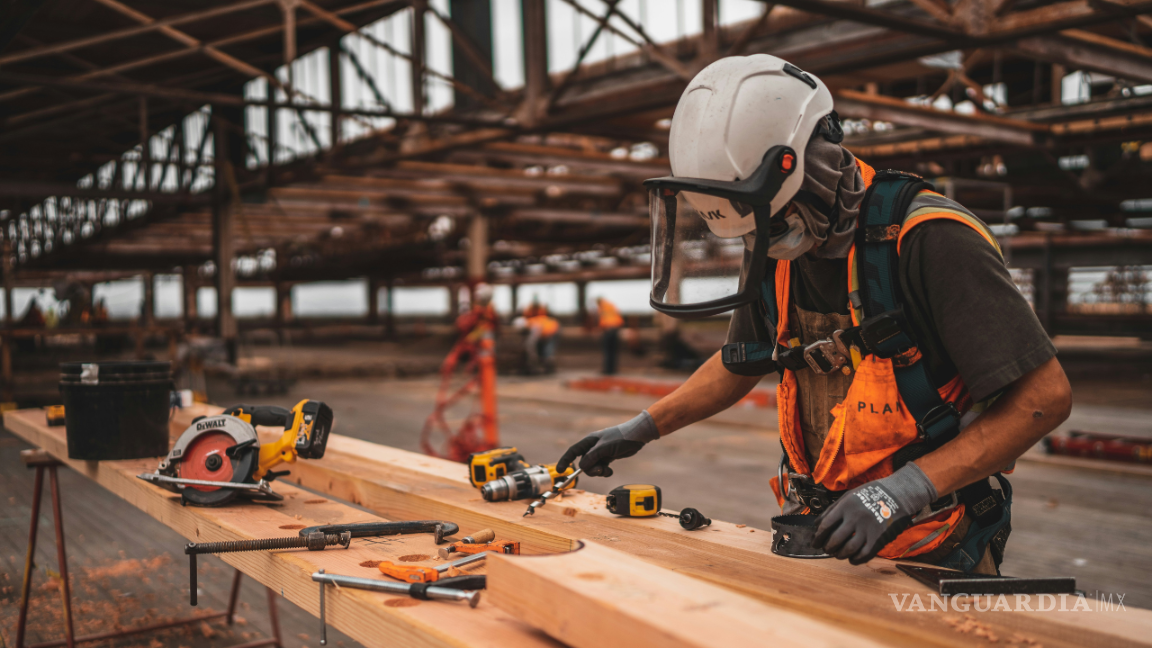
610	323
865	323
543	334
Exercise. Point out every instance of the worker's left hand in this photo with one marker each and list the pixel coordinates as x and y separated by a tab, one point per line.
865	519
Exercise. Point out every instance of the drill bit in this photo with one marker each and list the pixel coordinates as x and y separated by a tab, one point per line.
552	493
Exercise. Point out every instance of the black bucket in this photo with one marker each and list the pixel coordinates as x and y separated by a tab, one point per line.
116	410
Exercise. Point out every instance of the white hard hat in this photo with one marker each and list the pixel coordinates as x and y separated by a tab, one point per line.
483	293
731	113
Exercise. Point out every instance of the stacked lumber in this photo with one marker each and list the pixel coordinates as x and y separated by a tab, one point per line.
628	582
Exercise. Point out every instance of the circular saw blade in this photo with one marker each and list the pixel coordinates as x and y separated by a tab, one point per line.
204	458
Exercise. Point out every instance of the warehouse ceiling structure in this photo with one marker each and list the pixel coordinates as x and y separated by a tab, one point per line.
1036	114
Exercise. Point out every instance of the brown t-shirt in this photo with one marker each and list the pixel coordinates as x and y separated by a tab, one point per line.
965	311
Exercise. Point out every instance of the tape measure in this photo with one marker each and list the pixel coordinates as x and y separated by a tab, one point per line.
635	500
644	500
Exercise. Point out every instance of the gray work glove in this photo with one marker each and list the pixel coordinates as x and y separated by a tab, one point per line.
617	442
865	519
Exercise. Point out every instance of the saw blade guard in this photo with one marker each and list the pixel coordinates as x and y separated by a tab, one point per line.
201	452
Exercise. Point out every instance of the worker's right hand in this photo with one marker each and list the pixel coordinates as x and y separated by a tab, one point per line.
617	442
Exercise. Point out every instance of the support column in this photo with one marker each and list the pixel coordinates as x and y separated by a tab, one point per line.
272	124
710	38
190	288
418	50
283	303
223	230
390	312
335	93
582	303
373	301
474	19
453	302
477	249
8	268
515	302
1058	74
535	34
145	147
148	308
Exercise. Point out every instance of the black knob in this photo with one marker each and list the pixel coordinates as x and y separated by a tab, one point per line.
692	519
213	462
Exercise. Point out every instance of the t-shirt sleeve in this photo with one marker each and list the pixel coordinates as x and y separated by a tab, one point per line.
985	324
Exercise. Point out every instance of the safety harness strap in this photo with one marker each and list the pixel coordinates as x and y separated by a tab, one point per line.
883	210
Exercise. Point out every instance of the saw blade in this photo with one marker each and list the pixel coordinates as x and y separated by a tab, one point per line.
205	458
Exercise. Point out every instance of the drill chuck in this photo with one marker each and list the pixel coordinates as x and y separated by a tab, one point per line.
523	484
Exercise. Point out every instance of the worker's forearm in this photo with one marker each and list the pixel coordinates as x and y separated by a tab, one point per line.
1034	405
710	390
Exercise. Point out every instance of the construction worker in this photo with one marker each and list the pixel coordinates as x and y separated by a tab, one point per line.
543	334
481	318
912	371
610	323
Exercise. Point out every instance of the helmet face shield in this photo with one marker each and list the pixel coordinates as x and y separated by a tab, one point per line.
695	269
693	265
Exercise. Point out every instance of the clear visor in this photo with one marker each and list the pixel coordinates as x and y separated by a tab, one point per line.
690	264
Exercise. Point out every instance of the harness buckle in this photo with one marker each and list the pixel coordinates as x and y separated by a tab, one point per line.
813	495
937	421
826	356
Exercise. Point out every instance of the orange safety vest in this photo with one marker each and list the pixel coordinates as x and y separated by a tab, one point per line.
548	326
871	423
609	316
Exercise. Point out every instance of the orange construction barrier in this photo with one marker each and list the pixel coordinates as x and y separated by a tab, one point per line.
479	431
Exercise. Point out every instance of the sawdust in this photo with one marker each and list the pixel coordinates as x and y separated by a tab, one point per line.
303	637
298	517
741	526
401	602
292	526
415	557
969	625
452	572
570	512
207	630
127	567
576	491
590	576
371	564
315	501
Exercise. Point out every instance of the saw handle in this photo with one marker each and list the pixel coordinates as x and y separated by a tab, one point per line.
266	415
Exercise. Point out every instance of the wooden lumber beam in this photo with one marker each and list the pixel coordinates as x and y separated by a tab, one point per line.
405	485
858	105
599	597
1080	49
365	616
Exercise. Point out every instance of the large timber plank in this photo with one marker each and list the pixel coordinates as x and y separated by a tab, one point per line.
598	597
372	618
404	485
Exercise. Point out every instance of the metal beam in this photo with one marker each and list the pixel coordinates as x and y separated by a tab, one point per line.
1079	53
30	189
120	34
858	105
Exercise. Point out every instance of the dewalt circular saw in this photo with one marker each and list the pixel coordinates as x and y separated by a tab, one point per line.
219	458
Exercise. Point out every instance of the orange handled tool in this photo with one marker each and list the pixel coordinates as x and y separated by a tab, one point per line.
496	546
413	574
